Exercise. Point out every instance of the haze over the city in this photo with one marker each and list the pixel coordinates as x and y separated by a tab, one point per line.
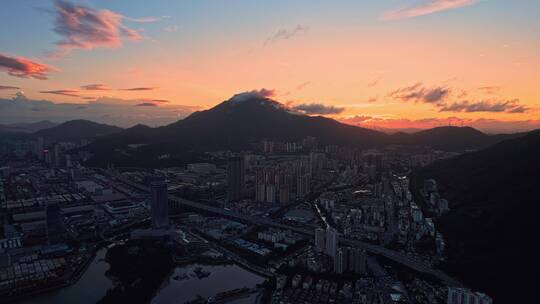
389	65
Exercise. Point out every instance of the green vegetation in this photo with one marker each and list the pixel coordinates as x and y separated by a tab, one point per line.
140	267
491	228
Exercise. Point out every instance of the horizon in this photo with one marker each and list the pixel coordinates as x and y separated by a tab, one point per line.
255	95
390	65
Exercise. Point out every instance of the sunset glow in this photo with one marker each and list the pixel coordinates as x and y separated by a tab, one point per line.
380	64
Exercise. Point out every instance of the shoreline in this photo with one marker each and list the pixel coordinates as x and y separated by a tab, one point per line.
79	272
73	279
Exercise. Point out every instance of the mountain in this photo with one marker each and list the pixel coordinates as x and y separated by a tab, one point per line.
240	122
450	138
245	119
492	226
237	123
27	127
76	130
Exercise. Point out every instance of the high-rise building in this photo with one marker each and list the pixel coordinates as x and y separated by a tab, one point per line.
260	185
457	295
40	146
317	161
270	193
351	260
356	260
284	194
273	185
160	204
54	223
320	240
303	179
57	156
331	242
340	262
286	186
236	176
47	157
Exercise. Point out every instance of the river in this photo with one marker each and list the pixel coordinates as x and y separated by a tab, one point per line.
93	284
89	289
221	278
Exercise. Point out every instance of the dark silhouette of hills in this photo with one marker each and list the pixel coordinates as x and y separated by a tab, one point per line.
245	119
27	127
240	121
492	226
233	124
237	123
76	130
450	138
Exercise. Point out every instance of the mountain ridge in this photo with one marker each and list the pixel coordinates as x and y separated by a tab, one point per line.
246	119
493	197
76	130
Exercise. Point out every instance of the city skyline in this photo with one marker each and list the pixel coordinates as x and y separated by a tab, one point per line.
388	65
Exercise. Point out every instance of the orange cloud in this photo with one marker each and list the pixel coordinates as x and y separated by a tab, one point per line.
140	89
23	67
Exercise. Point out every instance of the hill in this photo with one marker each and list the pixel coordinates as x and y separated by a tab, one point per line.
450	138
235	124
246	118
491	228
76	130
27	127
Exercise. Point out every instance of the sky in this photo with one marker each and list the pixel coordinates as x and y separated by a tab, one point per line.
387	64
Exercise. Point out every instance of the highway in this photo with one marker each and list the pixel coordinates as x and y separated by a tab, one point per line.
393	255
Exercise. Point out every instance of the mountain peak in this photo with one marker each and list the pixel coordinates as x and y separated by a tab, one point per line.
76	129
260	97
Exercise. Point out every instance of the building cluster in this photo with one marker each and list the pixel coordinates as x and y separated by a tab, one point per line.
52	204
343	259
31	270
279	238
274	147
363	217
308	289
431	195
458	295
272	180
49	210
282	183
217	228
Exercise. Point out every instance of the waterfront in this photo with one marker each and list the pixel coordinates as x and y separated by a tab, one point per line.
89	289
184	286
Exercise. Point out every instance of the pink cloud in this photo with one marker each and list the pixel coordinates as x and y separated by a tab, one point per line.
71	93
86	28
95	87
23	67
426	8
